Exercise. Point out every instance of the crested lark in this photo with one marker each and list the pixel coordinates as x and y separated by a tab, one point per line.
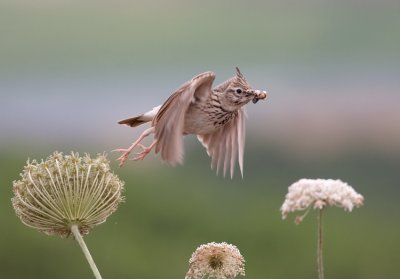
216	116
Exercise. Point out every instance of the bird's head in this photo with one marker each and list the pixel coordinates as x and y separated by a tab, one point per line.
236	92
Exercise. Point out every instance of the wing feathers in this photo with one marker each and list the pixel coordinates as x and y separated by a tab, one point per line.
241	136
226	144
228	151
233	155
169	121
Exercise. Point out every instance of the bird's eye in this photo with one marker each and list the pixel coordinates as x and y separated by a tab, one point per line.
238	90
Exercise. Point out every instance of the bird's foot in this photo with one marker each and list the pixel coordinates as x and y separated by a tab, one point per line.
126	152
145	151
124	156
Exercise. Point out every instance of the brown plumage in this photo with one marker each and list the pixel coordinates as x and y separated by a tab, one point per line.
216	116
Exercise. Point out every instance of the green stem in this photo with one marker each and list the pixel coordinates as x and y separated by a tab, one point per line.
320	262
79	238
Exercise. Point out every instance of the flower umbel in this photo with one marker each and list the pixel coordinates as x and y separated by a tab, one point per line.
320	193
65	191
217	260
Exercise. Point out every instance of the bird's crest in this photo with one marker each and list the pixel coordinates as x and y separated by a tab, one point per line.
237	80
239	73
240	80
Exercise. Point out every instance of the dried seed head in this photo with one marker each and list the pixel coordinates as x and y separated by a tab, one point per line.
217	260
61	191
320	193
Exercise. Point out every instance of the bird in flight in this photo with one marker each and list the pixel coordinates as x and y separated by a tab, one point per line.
215	115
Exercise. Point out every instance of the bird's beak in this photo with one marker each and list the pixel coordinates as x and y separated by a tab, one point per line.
259	95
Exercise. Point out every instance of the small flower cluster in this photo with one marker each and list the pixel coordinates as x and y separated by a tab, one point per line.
218	260
61	191
320	193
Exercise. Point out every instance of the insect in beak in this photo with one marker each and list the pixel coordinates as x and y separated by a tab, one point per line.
259	95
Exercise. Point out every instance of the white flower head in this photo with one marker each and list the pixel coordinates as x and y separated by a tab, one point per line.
63	191
318	194
216	260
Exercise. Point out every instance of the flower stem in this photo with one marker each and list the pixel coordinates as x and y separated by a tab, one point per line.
79	238
320	262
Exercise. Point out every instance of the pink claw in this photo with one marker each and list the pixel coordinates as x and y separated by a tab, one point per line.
124	156
126	152
145	151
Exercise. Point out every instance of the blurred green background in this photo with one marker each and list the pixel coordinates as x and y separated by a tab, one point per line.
69	70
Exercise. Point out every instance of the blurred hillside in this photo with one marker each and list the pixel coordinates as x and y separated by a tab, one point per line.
75	68
69	70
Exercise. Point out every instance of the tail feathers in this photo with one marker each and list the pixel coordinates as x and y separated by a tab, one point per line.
141	119
134	121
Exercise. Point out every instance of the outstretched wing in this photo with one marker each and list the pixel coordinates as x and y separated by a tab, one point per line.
224	145
169	121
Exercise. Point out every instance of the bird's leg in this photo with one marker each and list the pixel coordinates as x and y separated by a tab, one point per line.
145	151
126	152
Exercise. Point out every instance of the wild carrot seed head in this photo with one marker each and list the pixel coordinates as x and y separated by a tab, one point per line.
64	190
216	260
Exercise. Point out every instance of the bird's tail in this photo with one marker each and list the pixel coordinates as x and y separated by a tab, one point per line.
134	121
141	119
